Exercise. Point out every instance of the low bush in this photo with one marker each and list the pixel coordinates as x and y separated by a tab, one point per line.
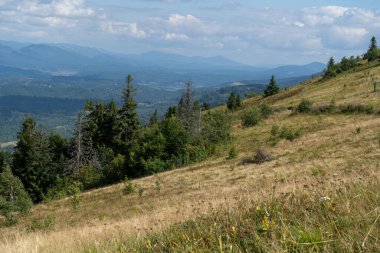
284	132
63	187
232	154
47	223
128	187
251	117
304	106
262	156
266	111
355	108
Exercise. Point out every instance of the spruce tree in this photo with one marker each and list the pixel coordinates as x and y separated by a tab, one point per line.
373	52
272	88
110	132
154	119
128	117
231	102
171	112
186	111
32	160
238	101
331	68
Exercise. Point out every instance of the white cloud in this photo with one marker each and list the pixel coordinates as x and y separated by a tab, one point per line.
68	8
345	37
179	20
174	36
122	28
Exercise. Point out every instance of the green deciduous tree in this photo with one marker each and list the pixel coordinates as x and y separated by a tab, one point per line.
13	197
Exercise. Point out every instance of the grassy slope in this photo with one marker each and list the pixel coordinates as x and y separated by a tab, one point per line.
329	157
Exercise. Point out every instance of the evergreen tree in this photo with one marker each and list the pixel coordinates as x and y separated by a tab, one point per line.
197	116
373	52
331	69
32	160
231	102
59	147
186	111
205	106
5	160
128	118
238	101
110	134
272	88
154	119
171	112
373	45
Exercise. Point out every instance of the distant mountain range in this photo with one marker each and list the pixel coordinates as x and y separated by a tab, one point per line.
46	60
53	81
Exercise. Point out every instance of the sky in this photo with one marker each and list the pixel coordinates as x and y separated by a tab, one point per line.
259	33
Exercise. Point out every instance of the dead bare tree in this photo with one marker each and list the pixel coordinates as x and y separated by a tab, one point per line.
82	151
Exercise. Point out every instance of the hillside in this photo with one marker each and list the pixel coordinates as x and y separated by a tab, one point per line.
320	193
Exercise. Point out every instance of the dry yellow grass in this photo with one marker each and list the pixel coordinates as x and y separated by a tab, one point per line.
328	154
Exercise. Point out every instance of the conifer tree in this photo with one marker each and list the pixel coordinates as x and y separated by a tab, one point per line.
128	117
373	52
331	69
171	112
32	160
154	119
186	110
238	101
110	134
272	88
231	102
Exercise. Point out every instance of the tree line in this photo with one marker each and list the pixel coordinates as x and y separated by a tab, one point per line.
333	68
109	144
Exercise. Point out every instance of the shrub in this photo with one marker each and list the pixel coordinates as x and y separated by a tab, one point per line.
232	154
262	156
356	108
330	108
158	182
266	111
63	187
288	133
128	186
251	117
154	165
90	177
284	132
75	203
304	106
48	223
